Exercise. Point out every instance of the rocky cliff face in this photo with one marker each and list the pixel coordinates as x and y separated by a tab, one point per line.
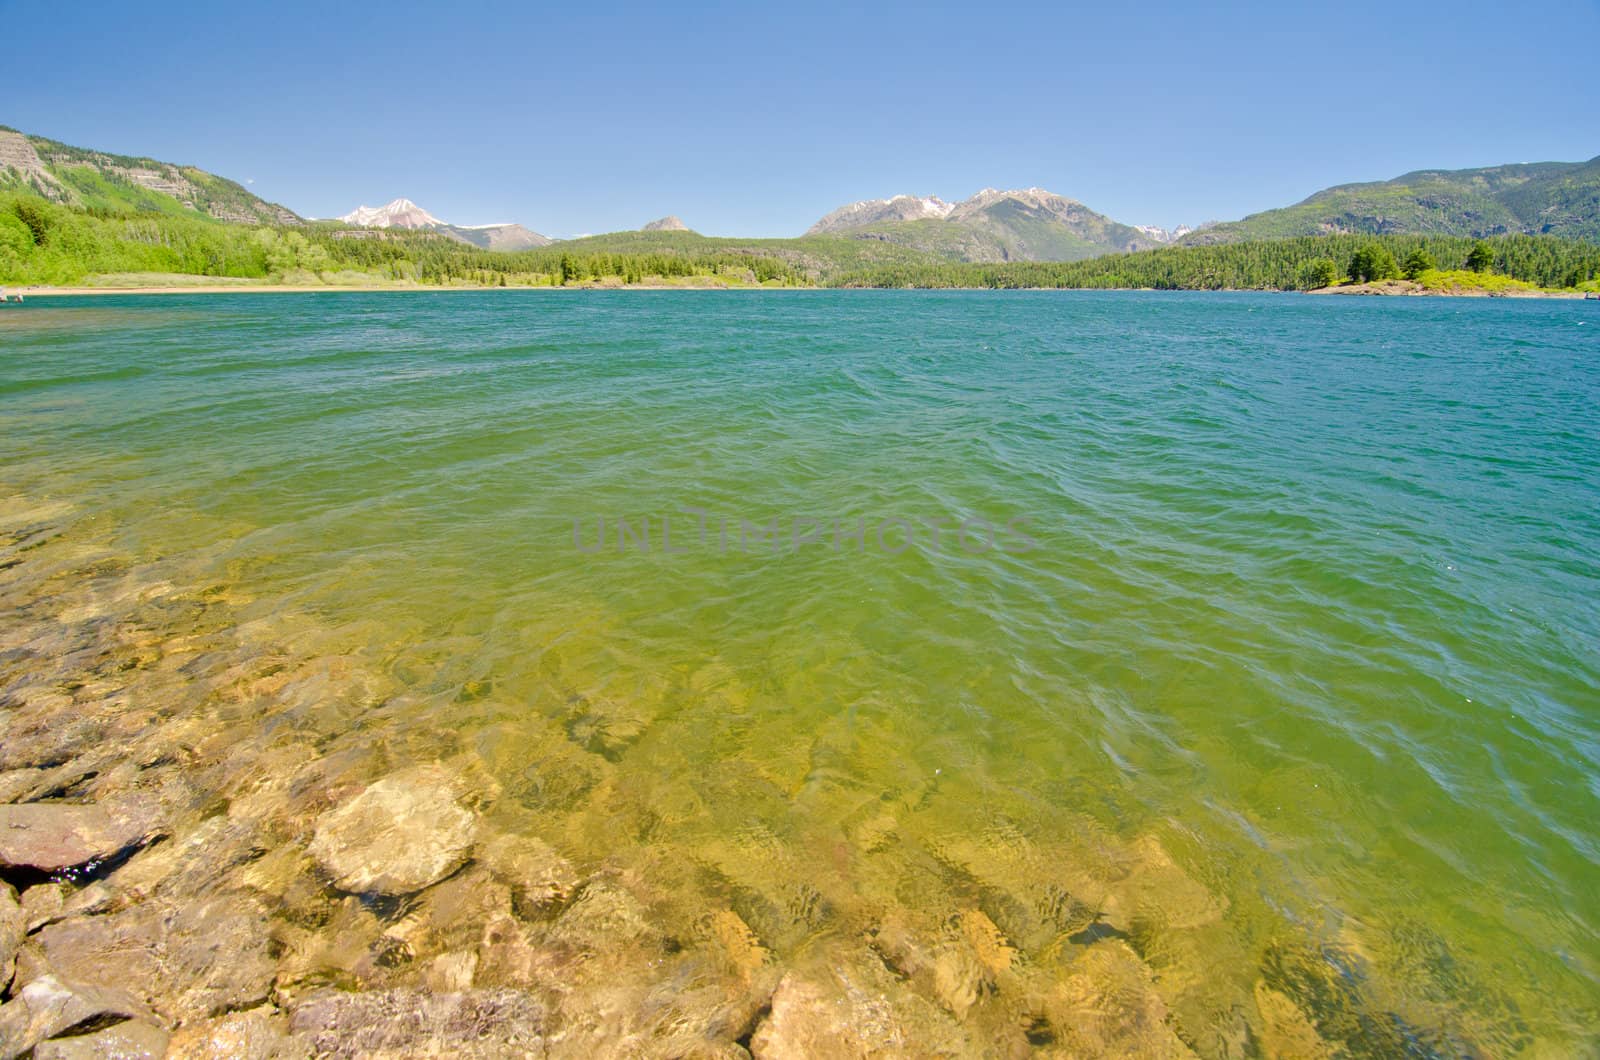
80	177
19	159
670	223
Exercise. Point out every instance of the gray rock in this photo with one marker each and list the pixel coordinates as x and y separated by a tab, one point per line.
52	836
48	1005
132	1040
412	1023
398	836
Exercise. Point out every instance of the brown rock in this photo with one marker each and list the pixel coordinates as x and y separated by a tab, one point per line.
257	1034
48	1005
131	1040
186	961
851	1012
13	929
540	879
412	1023
51	836
400	835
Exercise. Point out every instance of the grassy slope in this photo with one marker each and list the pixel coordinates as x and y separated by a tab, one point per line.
1551	198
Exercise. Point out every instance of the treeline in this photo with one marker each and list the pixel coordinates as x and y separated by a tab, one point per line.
47	243
1276	264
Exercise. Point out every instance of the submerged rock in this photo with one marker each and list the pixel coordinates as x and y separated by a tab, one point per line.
400	835
47	1006
256	1034
408	1023
13	929
851	1012
52	836
187	961
130	1040
540	879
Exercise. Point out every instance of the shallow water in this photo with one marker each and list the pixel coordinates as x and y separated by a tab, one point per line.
1285	674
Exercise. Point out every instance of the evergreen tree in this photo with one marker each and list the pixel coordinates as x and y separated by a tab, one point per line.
1374	261
1481	257
1319	273
1418	262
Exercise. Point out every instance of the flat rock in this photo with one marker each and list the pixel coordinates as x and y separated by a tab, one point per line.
413	1023
131	1040
187	961
48	1005
850	1012
52	836
401	834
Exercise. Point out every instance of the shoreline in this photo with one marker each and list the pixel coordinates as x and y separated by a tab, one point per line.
1387	288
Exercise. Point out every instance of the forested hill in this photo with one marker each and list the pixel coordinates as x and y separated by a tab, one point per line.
1499	264
99	181
1545	198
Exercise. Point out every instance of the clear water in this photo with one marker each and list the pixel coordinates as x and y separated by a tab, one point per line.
1297	687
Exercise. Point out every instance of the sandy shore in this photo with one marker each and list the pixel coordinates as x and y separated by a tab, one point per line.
1410	288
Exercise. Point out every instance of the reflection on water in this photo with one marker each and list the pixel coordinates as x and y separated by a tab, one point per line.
1184	780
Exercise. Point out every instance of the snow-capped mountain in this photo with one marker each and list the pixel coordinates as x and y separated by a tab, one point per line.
1021	224
873	211
1165	235
403	213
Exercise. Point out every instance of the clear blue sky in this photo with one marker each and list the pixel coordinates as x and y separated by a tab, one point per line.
755	119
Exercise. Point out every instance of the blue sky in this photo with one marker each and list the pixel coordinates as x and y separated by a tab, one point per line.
752	119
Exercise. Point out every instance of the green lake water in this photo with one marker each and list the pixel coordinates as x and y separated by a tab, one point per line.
1271	646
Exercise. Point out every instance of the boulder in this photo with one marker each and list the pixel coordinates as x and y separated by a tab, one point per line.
130	1040
48	1005
401	834
855	1010
52	836
187	961
255	1034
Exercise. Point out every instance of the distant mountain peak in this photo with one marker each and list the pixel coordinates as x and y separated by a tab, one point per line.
669	223
403	213
873	211
398	213
1017	224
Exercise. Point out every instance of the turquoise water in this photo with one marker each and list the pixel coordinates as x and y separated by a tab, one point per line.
1287	674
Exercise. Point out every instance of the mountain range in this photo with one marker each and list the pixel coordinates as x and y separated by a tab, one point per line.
403	213
1026	225
1031	224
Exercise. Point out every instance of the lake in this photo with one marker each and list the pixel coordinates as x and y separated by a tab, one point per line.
1237	652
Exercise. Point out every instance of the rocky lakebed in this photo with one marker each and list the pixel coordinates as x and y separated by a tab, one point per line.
220	837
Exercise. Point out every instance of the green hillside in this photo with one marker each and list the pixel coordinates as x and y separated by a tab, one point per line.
1546	198
110	183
